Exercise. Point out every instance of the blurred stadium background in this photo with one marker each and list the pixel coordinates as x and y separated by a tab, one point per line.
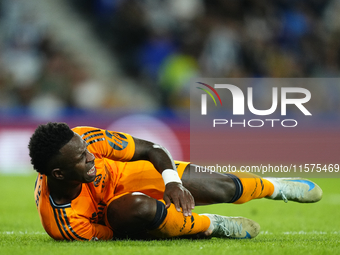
126	65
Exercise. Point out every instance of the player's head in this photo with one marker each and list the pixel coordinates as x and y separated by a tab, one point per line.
57	151
45	144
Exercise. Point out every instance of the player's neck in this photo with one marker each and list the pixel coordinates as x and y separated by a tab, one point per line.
63	192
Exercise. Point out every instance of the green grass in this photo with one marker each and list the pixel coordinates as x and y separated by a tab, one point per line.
285	228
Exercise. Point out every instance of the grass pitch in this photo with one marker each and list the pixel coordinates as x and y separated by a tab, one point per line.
290	228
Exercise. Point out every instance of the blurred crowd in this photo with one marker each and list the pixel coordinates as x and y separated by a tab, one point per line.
37	75
163	44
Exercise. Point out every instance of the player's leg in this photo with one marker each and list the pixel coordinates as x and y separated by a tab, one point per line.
140	216
240	187
210	187
207	188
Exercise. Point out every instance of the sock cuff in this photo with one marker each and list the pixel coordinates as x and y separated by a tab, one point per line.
238	188
161	213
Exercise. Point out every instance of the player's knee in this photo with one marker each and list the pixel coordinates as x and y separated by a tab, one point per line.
143	207
131	214
130	208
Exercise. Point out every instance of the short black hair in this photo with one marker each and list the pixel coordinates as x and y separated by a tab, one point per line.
46	142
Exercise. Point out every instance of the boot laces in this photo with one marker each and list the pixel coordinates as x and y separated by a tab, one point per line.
291	191
227	226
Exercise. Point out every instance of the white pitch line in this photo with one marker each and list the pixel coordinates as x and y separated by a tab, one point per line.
22	233
303	233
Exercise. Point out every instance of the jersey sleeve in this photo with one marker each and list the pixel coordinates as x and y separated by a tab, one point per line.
84	230
107	144
67	226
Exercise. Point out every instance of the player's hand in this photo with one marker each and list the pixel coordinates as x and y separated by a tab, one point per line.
181	197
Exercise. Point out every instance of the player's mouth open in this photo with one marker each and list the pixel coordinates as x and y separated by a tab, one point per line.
92	171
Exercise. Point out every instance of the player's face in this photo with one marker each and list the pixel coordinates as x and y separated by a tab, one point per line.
77	163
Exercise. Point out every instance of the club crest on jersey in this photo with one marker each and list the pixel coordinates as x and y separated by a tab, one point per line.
116	141
97	180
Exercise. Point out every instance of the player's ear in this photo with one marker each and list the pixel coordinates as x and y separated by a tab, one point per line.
57	174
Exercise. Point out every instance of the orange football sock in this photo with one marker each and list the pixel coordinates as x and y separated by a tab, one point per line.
253	187
175	224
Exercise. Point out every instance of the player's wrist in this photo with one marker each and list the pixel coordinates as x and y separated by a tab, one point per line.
170	175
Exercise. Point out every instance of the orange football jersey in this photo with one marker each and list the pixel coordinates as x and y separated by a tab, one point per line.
84	218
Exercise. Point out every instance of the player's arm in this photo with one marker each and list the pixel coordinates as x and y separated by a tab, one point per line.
80	229
161	159
100	232
123	147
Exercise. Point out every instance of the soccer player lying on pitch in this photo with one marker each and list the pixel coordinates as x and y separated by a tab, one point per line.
98	184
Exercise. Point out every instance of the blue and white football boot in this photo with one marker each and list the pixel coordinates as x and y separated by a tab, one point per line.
232	227
295	189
